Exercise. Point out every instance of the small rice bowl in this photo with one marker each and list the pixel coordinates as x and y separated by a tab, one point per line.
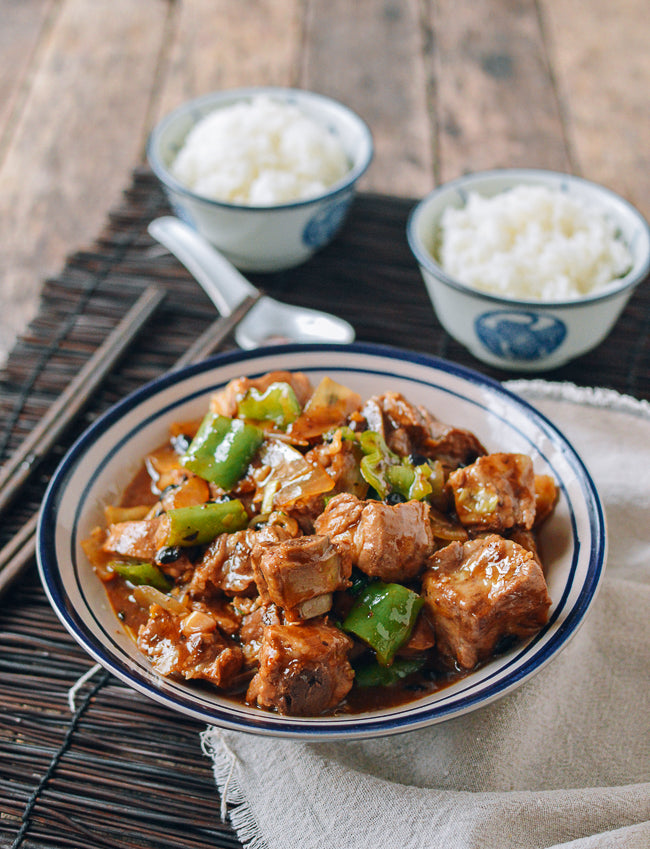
259	152
531	243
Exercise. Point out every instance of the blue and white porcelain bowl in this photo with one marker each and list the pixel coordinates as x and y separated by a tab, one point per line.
101	463
525	335
264	238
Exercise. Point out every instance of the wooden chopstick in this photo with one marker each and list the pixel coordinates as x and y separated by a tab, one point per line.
41	439
214	336
18	553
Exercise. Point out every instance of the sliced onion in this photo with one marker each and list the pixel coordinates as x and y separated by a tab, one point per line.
198	622
297	478
328	408
125	514
146	596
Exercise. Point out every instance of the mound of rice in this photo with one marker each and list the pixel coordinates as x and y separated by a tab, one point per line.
531	242
259	153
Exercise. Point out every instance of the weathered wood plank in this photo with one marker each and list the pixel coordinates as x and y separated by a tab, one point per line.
78	136
370	56
495	103
21	27
218	44
600	54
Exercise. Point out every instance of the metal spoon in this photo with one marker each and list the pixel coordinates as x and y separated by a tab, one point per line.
269	321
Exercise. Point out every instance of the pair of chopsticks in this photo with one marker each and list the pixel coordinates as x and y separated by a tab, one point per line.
17	554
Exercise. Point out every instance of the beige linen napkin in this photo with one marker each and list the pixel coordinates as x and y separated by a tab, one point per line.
563	761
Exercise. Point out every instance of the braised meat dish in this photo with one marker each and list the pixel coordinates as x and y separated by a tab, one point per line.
310	552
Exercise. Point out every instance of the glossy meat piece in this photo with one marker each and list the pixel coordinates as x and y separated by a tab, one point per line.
410	429
225	402
480	593
526	539
139	538
189	646
384	541
495	493
546	496
252	628
222	610
304	669
226	565
296	570
422	639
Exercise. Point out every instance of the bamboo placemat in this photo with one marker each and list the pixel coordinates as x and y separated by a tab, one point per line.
119	770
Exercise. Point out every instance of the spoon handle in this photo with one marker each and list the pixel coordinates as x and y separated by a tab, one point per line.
220	280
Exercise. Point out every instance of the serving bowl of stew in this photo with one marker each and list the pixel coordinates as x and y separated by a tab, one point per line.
284	541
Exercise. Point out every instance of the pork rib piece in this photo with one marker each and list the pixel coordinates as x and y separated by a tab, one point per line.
480	593
304	669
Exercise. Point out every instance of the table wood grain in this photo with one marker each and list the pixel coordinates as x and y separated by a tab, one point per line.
447	87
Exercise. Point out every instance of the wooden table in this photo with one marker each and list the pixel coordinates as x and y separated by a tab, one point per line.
446	87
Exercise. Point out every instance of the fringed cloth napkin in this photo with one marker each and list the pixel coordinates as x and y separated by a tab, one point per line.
563	761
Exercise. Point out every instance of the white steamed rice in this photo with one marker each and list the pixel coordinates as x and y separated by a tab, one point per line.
259	152
533	243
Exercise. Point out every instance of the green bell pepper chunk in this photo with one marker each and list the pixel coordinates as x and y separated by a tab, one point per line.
383	616
278	403
142	573
413	482
387	472
222	449
373	675
377	457
201	523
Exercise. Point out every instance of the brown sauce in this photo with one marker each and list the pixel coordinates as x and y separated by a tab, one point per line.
432	677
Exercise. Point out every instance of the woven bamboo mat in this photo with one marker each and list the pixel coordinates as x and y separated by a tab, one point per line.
118	770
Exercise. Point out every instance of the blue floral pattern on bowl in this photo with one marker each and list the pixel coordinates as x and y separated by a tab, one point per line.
513	334
322	226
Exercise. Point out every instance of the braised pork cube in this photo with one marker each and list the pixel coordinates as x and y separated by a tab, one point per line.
252	628
546	495
413	430
382	540
137	538
479	594
422	639
303	669
295	571
226	565
189	646
495	493
526	539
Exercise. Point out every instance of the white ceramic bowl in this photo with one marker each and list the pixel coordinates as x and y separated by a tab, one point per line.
525	335
268	238
103	460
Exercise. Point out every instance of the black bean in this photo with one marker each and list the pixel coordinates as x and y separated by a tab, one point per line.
417	459
395	498
168	554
